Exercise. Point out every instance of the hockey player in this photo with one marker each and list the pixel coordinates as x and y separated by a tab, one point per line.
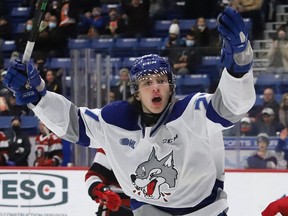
167	155
275	207
104	188
48	148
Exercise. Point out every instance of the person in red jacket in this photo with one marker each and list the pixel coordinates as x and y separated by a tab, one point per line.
4	149
48	148
104	188
278	206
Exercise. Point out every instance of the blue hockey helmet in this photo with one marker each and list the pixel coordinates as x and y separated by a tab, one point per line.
150	65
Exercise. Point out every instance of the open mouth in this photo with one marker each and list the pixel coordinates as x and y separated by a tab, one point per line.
156	99
151	187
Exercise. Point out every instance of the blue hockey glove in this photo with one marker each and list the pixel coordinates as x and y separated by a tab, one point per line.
236	53
28	87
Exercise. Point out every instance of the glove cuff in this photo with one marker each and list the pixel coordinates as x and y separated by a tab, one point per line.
41	88
238	62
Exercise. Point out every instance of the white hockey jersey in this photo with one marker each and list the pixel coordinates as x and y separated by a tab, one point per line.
177	164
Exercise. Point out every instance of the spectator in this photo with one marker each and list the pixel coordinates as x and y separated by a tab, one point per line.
267	123
137	16
48	148
4	149
22	38
115	26
206	38
283	110
243	129
100	176
278	53
172	43
122	87
262	158
92	24
67	23
202	32
52	41
13	109
252	10
194	9
282	145
5	29
52	82
55	8
268	101
157	10
190	57
19	144
174	38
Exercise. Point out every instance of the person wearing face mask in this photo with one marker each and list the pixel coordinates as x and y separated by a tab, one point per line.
21	38
189	56
204	36
278	52
52	42
19	144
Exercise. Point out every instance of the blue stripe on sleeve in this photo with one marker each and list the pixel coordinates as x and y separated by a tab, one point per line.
215	117
92	115
84	140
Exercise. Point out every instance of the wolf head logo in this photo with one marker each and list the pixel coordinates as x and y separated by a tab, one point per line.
152	174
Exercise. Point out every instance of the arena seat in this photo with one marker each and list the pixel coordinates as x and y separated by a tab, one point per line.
194	83
128	61
55	63
20	14
161	28
18	28
264	81
211	23
125	47
103	45
149	45
79	43
7	47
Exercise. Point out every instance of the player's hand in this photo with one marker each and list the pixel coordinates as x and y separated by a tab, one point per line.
47	162
236	53
103	195
278	206
28	87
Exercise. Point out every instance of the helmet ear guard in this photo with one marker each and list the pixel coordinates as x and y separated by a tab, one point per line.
150	65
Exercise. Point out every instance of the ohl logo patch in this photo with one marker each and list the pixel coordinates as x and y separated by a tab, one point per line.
32	189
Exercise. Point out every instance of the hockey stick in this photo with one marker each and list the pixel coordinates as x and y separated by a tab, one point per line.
42	6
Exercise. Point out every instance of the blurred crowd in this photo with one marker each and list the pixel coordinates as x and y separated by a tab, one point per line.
87	19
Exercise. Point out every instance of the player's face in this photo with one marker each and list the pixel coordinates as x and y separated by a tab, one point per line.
154	92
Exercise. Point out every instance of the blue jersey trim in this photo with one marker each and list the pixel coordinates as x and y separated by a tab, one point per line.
121	114
215	117
84	140
92	115
182	211
178	108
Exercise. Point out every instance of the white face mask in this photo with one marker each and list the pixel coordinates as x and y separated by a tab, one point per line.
28	27
201	28
190	43
52	25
